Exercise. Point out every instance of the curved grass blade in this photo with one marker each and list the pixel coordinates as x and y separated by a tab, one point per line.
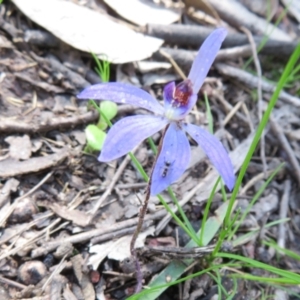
176	268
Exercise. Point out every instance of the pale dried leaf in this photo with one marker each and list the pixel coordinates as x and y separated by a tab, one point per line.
77	262
67	293
266	205
89	31
153	78
266	9
76	216
83	279
143	12
122	247
79	136
118	250
19	147
5	43
228	9
10	185
87	288
98	253
294	134
293	8
204	6
11	167
148	66
36	145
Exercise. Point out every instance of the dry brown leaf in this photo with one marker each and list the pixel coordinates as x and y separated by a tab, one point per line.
67	293
204	6
77	217
117	250
294	134
228	9
266	9
143	12
11	167
10	185
293	8
19	147
89	31
84	281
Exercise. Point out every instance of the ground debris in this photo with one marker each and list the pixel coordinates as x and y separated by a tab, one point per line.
67	219
11	167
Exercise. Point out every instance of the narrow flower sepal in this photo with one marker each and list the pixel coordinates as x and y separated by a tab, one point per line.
128	133
173	159
122	93
178	101
205	57
215	151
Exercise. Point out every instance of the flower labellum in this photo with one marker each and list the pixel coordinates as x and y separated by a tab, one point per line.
179	99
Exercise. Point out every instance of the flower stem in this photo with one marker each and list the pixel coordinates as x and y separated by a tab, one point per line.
142	214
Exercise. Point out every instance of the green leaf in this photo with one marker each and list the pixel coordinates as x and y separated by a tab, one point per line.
110	109
263	123
209	115
95	137
176	268
102	125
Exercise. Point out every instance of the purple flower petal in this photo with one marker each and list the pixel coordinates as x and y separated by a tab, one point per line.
173	159
128	133
205	57
215	151
122	93
178	100
168	94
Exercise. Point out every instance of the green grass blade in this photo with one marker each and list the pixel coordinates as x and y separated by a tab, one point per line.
175	269
289	276
287	70
209	115
254	199
206	211
287	252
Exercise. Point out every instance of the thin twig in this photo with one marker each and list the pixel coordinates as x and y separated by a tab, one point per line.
86	236
284	204
284	143
111	185
259	96
143	211
12	283
55	272
251	81
137	185
232	112
254	180
247	113
13	206
27	228
173	63
29	242
228	107
119	233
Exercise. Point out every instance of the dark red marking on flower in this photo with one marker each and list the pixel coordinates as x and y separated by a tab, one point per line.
182	92
95	276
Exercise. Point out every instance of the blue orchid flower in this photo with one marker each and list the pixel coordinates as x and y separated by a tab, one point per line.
179	99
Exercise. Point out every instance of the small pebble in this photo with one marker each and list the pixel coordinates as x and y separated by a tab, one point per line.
32	272
63	249
128	265
49	260
24	210
95	276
